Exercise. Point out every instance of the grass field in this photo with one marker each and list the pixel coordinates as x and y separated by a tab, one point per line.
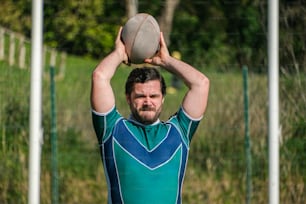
216	169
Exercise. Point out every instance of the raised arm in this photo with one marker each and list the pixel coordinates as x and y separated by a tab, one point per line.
102	96
195	100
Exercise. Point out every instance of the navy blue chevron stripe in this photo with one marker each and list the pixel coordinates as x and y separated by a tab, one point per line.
154	158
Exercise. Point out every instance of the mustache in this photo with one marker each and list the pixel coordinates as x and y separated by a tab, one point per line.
147	108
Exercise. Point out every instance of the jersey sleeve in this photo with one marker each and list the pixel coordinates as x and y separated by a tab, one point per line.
185	124
104	123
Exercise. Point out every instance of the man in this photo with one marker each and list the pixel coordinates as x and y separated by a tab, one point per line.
144	158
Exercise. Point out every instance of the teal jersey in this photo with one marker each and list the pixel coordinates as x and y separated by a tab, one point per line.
144	163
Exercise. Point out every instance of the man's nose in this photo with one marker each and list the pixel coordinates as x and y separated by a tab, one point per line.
147	100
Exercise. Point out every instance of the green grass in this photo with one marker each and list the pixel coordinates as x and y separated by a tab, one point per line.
216	168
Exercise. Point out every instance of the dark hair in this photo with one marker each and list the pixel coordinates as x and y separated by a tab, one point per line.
142	75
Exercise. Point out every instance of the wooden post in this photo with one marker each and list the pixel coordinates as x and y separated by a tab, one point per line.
22	52
63	64
53	58
2	43
12	49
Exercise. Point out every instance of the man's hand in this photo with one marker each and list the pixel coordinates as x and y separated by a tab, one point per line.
161	57
120	48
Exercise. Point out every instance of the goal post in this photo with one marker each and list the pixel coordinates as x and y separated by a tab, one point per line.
273	63
36	131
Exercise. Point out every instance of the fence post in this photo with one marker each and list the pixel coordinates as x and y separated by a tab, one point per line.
62	64
12	49
53	58
18	54
2	43
22	52
44	56
54	166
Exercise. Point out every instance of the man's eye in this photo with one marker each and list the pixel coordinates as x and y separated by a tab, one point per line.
154	96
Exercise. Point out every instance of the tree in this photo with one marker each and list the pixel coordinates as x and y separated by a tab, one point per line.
131	7
16	15
219	34
166	18
82	27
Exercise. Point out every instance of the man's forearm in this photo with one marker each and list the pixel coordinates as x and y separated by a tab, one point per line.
190	75
102	96
108	66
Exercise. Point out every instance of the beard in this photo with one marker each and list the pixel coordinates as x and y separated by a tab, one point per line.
146	115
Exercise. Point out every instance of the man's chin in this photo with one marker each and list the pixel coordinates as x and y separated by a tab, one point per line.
148	119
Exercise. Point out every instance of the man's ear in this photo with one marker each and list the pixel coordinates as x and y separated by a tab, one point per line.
163	100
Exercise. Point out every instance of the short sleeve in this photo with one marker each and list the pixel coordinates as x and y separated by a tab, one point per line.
185	123
104	123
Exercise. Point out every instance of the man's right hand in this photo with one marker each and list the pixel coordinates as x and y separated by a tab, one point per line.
120	48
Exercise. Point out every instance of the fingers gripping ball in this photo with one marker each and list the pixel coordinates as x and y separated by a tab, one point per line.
141	36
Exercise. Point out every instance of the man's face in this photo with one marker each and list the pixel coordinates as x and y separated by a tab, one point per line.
146	101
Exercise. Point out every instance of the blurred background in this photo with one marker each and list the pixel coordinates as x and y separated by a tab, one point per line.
222	38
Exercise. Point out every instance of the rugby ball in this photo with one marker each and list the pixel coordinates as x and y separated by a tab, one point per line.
141	36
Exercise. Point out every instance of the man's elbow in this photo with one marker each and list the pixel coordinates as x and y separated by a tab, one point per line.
204	82
97	75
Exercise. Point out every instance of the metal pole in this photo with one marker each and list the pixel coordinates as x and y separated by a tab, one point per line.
247	137
35	103
273	59
54	177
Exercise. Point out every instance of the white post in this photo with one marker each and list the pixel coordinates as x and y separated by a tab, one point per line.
273	63
35	103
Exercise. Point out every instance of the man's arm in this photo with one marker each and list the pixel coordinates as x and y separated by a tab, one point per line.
102	96
195	100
